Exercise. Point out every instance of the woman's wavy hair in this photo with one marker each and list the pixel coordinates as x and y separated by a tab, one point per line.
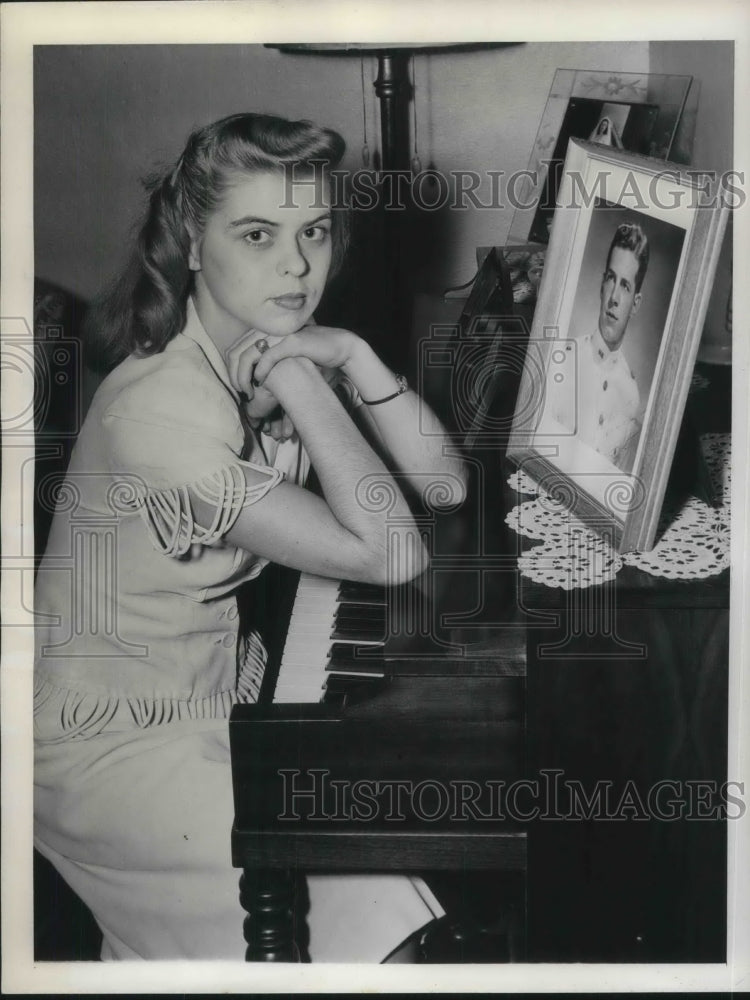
146	306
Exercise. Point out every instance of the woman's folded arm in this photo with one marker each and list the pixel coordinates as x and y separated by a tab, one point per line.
361	529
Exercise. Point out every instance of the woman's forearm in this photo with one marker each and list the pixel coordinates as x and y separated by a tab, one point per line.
415	439
408	432
353	478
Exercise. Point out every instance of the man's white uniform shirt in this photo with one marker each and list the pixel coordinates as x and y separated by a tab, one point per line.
593	393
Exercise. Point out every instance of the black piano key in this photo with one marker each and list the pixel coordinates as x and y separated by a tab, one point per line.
346	616
364	593
350	656
367	631
364	631
358	608
361	600
355	668
360	642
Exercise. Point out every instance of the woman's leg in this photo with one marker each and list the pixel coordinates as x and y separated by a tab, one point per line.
139	826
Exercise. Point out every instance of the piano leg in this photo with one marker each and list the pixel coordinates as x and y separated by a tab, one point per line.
269	899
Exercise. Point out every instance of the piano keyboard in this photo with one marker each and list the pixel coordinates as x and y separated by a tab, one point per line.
329	619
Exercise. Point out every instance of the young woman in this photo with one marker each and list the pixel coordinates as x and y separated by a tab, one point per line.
175	496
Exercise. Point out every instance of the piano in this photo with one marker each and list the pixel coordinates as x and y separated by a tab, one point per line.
519	709
482	683
351	679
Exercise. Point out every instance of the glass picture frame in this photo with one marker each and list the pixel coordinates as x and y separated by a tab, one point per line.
643	112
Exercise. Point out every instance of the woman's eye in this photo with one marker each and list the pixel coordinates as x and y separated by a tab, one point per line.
315	233
257	237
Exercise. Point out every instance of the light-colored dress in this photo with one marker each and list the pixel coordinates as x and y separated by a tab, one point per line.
137	670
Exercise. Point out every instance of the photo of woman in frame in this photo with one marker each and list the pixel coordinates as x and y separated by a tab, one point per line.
608	123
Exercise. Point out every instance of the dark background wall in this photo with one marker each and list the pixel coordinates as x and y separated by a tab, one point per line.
106	115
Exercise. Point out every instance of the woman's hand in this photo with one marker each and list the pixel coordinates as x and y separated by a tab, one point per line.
326	346
277	424
259	404
241	359
265	413
262	408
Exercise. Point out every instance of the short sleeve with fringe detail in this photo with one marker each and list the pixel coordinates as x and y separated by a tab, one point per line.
173	430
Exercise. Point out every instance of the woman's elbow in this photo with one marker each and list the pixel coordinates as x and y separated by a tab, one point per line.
402	558
407	563
448	490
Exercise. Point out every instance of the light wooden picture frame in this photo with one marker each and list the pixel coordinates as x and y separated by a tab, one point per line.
597	419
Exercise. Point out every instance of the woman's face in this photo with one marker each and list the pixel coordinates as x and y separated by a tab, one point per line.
262	260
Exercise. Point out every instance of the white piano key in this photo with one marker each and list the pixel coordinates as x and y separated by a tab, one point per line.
302	672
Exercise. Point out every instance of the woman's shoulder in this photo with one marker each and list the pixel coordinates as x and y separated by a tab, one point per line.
168	418
168	387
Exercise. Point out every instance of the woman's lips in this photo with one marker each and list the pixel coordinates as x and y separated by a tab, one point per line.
294	302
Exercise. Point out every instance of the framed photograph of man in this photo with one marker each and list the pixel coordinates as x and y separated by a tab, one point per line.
622	301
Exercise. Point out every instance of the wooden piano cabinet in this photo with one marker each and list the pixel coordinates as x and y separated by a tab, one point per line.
407	781
627	694
641	716
619	730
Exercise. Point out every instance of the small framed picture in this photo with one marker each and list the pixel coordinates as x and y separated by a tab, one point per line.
639	112
623	297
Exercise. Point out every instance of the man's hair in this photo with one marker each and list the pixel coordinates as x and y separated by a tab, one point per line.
630	236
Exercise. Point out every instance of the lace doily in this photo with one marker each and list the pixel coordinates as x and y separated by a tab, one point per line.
693	541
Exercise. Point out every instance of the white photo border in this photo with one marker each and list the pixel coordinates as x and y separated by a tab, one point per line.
259	21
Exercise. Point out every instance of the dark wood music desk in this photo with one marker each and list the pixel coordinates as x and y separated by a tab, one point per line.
625	690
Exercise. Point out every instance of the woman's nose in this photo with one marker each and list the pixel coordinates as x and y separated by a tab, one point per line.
292	261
